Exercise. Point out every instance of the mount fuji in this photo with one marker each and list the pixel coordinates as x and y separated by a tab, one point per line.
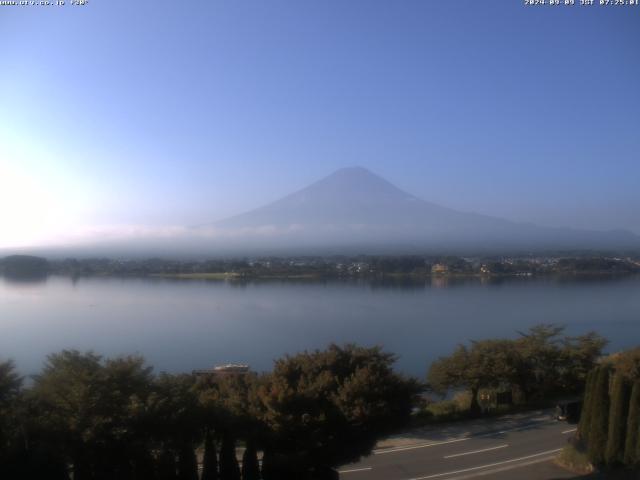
355	207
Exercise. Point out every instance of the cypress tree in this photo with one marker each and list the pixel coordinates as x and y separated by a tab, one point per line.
229	469
637	450
210	460
144	465
599	424
81	469
632	443
618	412
325	473
585	416
250	466
187	463
268	469
166	465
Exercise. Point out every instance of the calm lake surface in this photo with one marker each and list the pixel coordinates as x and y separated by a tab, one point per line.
181	325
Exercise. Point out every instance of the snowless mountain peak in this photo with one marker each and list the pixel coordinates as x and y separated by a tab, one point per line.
355	206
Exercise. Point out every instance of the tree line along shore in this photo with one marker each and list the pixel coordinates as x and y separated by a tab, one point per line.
88	417
360	266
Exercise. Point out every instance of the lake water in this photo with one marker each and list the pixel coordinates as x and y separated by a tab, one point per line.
181	325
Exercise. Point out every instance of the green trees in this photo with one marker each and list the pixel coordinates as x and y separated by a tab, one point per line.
88	407
210	459
24	266
632	443
250	465
10	383
229	469
10	441
187	463
487	363
598	425
10	386
578	357
166	465
587	407
552	363
628	363
610	423
538	363
326	408
540	359
618	412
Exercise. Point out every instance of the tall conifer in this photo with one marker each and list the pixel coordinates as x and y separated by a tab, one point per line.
599	423
632	444
250	466
618	412
210	460
187	463
229	469
166	465
587	409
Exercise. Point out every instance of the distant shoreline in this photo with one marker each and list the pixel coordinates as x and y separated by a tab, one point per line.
395	276
361	268
235	276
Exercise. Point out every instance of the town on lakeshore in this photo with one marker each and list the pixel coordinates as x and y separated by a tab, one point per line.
342	266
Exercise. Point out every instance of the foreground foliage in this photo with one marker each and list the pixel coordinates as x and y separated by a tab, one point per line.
540	363
96	418
610	423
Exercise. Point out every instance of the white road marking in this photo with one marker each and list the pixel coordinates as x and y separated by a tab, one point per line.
422	445
548	452
455	440
353	470
477	451
503	468
569	431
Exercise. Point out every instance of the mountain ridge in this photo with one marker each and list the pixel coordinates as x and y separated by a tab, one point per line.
351	189
354	205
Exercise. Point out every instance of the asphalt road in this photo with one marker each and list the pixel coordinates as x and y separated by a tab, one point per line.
487	454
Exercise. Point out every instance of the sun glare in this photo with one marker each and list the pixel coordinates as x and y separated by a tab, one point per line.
33	210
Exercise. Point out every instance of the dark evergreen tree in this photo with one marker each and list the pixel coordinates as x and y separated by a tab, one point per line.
277	466
632	443
187	463
81	469
42	464
587	407
325	473
12	451
618	412
229	469
250	466
144	466
637	462
210	460
166	466
268	471
599	423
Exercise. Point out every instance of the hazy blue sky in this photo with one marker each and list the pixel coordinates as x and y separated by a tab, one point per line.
177	112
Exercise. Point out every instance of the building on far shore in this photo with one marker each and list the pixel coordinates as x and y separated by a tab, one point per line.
439	269
226	370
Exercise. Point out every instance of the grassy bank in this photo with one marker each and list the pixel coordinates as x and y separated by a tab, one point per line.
198	276
574	459
234	276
